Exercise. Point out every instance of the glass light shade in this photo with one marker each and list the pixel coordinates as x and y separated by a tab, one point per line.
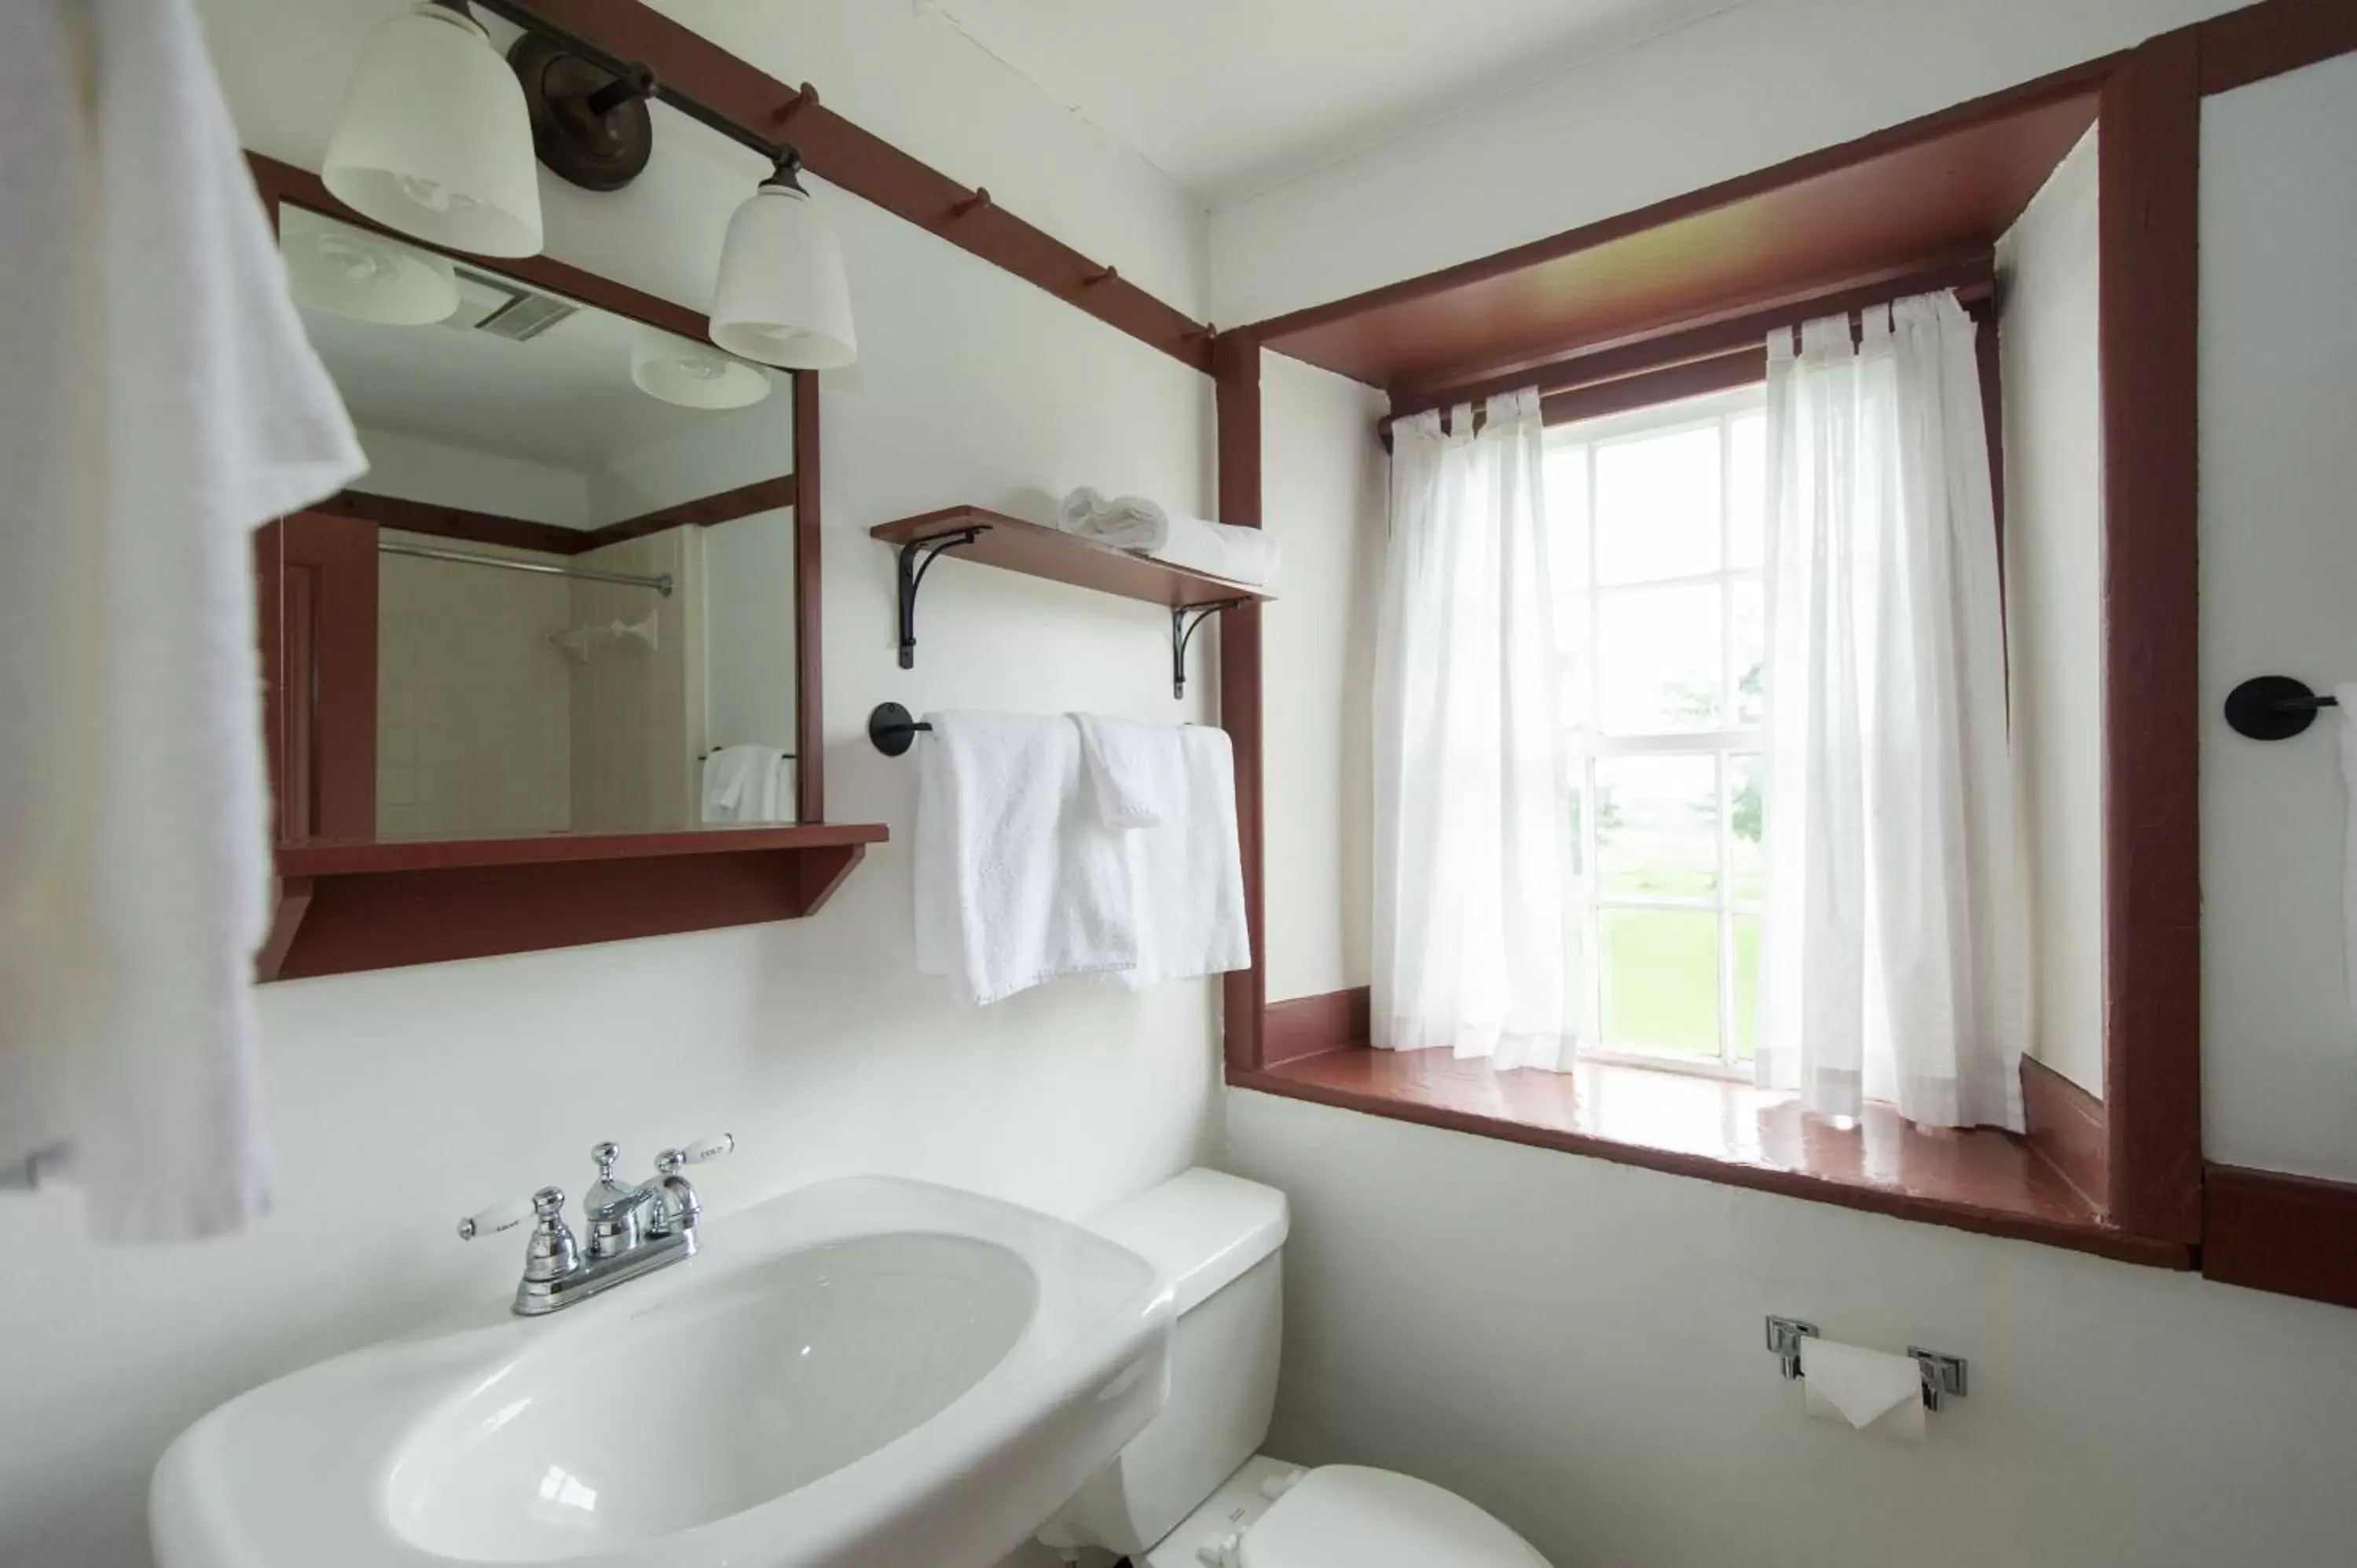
782	298
676	370
364	277
435	140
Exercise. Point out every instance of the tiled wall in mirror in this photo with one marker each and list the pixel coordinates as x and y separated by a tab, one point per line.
562	598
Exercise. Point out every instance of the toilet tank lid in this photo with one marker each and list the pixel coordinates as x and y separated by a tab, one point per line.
1200	1229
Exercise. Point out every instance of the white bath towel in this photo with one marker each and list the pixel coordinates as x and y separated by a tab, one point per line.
746	784
1131	771
1018	881
160	403
1245	555
1186	875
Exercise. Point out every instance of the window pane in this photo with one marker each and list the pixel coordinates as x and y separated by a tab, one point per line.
1746	816
1657	657
1657	826
1750	652
1657	503
1747	987
1661	980
1747	479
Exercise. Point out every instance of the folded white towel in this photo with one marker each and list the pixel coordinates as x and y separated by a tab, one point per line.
1246	556
1018	882
161	400
1132	770
745	784
1186	875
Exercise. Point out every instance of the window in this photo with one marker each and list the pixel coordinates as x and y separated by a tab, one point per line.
1657	517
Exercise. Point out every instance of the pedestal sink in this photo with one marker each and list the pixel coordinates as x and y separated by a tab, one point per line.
866	1371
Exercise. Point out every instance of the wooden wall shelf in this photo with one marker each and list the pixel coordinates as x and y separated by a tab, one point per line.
1012	545
384	903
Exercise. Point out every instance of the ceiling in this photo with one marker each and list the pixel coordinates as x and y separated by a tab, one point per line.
565	397
1230	97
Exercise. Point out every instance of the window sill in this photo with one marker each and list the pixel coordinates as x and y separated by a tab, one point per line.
1982	1180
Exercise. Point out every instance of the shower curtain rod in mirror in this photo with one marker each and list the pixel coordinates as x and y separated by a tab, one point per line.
661	584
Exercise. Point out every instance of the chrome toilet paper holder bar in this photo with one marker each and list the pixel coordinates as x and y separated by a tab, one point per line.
1944	1375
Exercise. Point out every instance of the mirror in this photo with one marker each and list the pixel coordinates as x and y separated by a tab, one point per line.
562	600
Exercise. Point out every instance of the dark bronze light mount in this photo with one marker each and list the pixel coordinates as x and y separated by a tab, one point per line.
590	122
589	125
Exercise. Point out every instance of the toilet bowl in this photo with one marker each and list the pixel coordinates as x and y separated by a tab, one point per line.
1192	1490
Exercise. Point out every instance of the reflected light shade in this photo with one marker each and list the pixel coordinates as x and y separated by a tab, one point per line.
435	140
782	298
365	277
693	376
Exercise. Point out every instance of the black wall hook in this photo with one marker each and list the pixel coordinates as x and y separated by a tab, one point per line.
2274	707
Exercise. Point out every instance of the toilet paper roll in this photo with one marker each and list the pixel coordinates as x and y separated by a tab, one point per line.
1871	1390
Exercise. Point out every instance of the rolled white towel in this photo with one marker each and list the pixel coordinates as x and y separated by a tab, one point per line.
1246	556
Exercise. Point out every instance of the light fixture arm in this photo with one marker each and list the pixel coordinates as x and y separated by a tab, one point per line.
637	82
517	14
787	175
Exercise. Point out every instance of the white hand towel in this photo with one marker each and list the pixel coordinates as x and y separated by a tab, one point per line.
745	784
1018	882
1246	556
1188	874
161	402
1132	771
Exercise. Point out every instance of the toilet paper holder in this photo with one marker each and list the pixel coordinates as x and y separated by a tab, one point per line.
1944	1375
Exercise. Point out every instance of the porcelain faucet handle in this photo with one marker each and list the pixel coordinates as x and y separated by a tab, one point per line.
695	1153
508	1216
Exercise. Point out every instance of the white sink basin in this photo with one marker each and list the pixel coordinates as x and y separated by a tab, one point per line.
868	1371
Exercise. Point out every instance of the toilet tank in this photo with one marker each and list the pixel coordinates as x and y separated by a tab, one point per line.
1218	1238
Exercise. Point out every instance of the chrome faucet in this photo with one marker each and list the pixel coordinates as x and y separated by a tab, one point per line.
634	1230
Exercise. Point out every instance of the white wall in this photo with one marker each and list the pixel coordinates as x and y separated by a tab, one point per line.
440	473
740	448
2278	570
1325	494
402	1100
1738	91
1576	1346
2048	343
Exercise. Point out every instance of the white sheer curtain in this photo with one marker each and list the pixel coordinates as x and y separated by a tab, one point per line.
1475	930
1895	958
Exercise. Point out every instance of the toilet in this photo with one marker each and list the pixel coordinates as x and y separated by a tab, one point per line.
1192	1490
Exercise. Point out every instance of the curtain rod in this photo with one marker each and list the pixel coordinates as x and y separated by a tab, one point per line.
1971	278
661	584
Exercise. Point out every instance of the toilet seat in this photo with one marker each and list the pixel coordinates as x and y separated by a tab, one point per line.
1346	1516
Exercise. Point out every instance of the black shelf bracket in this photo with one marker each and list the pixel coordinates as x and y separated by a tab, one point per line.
916	559
1182	632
